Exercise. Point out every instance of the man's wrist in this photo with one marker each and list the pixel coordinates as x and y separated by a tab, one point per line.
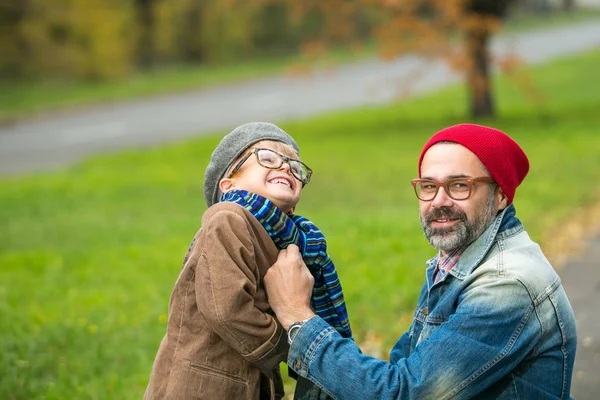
287	321
294	328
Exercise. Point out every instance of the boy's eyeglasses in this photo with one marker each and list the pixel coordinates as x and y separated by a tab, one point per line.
273	160
457	189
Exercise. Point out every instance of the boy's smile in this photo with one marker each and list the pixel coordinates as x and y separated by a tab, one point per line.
282	180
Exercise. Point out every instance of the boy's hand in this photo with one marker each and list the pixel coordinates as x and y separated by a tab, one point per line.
289	286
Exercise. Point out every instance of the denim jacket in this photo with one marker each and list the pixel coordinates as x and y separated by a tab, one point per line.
498	325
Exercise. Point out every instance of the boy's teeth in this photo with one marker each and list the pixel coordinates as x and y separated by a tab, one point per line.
281	181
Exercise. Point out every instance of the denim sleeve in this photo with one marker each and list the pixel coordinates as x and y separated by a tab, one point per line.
401	349
491	331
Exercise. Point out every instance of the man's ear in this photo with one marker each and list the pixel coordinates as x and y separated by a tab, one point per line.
226	184
501	199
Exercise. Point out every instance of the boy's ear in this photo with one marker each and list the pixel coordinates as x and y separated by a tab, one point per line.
226	184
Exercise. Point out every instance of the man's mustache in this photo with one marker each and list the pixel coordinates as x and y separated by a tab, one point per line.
445	212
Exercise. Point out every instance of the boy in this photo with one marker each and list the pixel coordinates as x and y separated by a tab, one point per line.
222	340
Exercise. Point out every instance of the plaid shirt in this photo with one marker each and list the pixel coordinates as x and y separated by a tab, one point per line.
446	263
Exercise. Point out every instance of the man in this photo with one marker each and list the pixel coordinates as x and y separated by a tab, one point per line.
492	320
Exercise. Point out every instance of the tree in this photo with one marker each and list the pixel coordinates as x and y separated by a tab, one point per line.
64	39
13	46
146	20
458	31
568	5
485	15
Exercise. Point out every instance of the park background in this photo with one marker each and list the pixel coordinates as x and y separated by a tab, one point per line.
89	252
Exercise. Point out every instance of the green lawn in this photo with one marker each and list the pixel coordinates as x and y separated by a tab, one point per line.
89	254
21	99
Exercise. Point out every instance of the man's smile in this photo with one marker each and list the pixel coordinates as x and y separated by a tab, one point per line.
444	222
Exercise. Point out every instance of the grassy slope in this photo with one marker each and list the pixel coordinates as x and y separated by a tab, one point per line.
89	254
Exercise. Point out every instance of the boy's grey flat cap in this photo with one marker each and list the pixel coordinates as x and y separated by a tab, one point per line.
232	146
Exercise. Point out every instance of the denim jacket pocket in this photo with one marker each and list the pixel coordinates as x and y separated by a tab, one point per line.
430	325
416	328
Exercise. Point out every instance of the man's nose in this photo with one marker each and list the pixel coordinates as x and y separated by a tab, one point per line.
442	199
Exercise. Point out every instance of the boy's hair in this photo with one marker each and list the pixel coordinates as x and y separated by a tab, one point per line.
232	146
279	147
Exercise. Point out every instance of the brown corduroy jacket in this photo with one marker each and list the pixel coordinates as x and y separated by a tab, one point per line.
222	341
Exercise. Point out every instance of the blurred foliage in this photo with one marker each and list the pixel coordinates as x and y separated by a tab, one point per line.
104	39
93	40
66	38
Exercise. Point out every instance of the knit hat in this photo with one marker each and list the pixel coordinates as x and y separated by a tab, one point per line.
501	155
232	146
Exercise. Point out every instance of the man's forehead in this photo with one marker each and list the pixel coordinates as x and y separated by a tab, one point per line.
447	160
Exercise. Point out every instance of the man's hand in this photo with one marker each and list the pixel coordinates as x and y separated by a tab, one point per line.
289	286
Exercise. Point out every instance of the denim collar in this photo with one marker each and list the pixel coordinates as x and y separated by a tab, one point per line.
504	225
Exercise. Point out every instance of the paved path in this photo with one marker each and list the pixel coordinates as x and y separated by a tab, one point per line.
63	138
588	3
581	279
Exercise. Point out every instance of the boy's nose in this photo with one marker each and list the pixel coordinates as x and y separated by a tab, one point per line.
285	166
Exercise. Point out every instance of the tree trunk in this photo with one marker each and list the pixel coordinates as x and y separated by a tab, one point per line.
478	76
568	5
191	41
11	17
145	16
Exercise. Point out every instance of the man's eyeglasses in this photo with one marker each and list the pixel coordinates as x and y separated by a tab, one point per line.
457	189
273	160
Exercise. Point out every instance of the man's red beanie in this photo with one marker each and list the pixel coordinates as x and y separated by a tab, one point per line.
501	155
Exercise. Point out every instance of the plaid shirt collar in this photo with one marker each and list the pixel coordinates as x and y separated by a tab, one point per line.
446	263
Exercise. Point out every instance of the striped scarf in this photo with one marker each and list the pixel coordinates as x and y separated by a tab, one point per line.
327	297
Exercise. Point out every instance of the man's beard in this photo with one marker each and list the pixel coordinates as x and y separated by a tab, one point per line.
463	233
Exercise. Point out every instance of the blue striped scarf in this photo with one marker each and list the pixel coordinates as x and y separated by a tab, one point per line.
327	297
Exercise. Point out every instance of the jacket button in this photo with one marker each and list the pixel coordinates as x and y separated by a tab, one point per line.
298	363
425	310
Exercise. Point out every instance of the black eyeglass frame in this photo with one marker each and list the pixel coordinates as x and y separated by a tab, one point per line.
446	186
283	159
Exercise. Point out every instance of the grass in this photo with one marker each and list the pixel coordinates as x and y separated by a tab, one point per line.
89	253
22	99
